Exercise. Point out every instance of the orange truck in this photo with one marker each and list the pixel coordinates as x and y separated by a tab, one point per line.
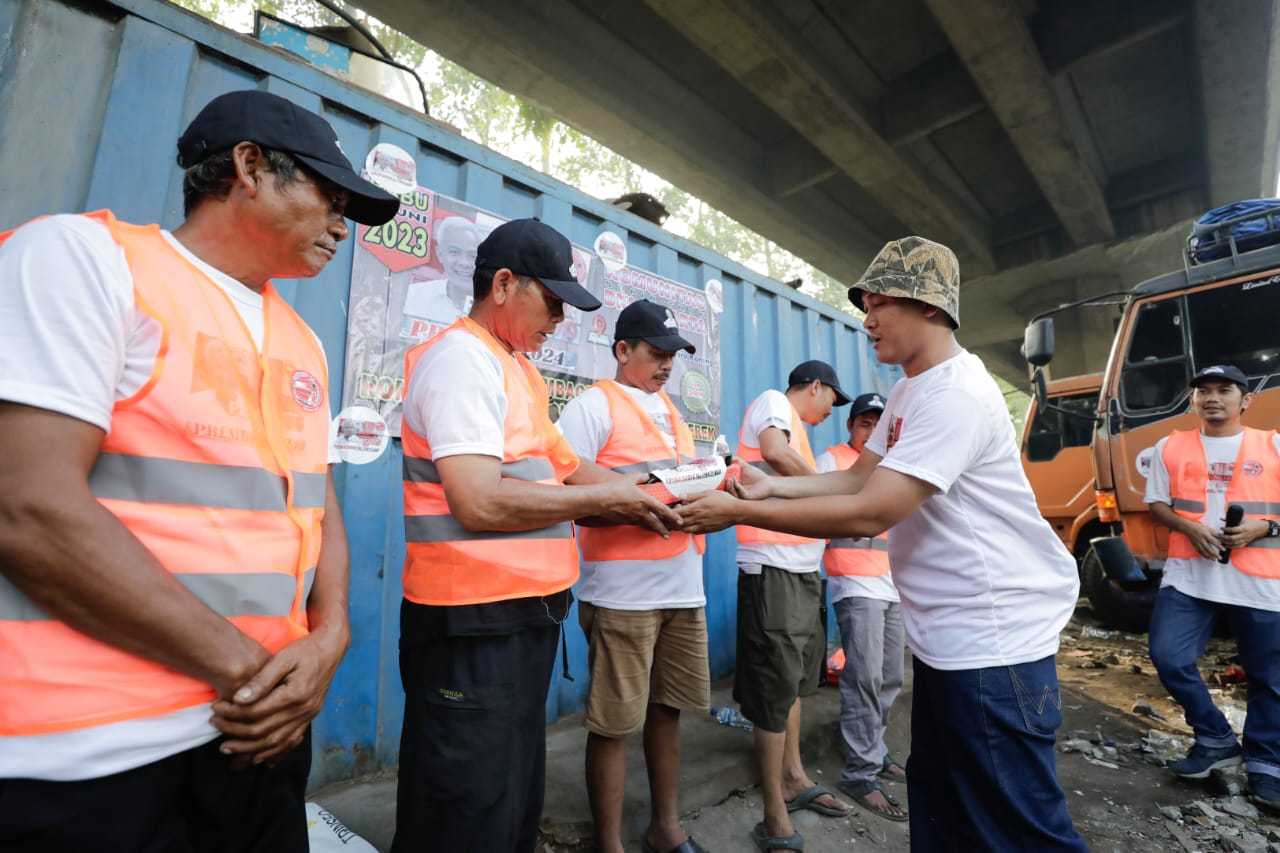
1059	464
1223	310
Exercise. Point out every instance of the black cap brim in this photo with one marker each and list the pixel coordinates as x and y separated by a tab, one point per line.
367	203
842	399
855	296
572	293
1197	381
670	343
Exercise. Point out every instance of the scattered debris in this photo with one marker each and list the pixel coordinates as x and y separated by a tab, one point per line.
1142	709
1239	806
1098	633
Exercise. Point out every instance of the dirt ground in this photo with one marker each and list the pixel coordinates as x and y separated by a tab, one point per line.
1110	762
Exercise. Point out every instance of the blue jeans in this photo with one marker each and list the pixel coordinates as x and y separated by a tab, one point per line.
1180	630
981	775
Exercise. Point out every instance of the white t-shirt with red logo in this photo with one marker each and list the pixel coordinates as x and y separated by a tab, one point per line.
983	579
1196	576
75	344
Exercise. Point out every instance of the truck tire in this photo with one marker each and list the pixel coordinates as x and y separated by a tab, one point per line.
1116	607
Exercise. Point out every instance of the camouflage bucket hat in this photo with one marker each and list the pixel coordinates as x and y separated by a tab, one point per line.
914	268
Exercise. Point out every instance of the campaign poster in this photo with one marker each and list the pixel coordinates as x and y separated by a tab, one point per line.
411	278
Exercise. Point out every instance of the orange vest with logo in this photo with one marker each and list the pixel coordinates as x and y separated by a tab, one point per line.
1255	485
634	446
799	441
446	564
218	465
865	558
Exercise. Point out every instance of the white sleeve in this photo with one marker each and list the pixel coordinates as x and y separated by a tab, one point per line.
66	299
1158	477
826	463
457	402
585	423
770	409
939	439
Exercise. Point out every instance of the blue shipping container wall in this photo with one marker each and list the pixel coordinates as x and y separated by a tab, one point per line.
92	99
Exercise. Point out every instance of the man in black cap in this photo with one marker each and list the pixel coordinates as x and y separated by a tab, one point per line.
641	597
490	490
174	567
869	614
1195	476
780	640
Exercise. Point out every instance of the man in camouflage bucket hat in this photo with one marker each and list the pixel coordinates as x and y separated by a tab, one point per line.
914	268
986	586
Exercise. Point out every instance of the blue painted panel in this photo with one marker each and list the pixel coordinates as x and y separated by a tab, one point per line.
157	66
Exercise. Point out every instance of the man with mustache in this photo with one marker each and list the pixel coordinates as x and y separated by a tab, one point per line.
985	585
641	595
1195	475
490	489
173	564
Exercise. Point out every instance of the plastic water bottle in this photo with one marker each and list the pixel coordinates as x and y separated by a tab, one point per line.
729	716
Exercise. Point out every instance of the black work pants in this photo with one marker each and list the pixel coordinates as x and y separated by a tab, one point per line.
473	747
191	802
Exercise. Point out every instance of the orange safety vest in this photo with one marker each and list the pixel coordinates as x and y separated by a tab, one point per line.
863	557
1255	485
799	441
635	445
446	564
218	465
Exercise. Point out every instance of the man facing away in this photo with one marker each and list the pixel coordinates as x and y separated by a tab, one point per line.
173	565
986	586
870	620
641	597
490	489
1195	475
780	639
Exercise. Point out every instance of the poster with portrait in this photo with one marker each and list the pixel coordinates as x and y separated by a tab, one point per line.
411	278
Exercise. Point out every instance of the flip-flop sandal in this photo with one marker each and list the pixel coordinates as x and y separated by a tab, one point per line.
686	846
809	800
860	800
765	842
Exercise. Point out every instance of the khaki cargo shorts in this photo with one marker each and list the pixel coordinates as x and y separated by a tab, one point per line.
643	657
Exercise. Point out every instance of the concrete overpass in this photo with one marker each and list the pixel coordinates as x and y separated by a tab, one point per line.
1059	146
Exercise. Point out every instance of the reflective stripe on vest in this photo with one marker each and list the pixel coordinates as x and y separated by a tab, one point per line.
218	465
1255	486
863	557
799	442
447	564
636	445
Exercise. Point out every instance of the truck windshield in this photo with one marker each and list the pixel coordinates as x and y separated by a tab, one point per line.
1075	432
1155	374
1238	324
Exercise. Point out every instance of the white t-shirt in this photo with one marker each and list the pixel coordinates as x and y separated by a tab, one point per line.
74	344
630	584
773	409
1198	577
456	398
849	586
983	579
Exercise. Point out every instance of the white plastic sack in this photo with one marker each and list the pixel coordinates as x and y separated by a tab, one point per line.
327	834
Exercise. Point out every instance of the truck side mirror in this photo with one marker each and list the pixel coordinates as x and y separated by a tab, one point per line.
1037	342
1039	388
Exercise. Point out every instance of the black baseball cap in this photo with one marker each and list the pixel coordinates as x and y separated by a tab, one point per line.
652	323
276	122
821	372
529	247
1221	373
866	403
